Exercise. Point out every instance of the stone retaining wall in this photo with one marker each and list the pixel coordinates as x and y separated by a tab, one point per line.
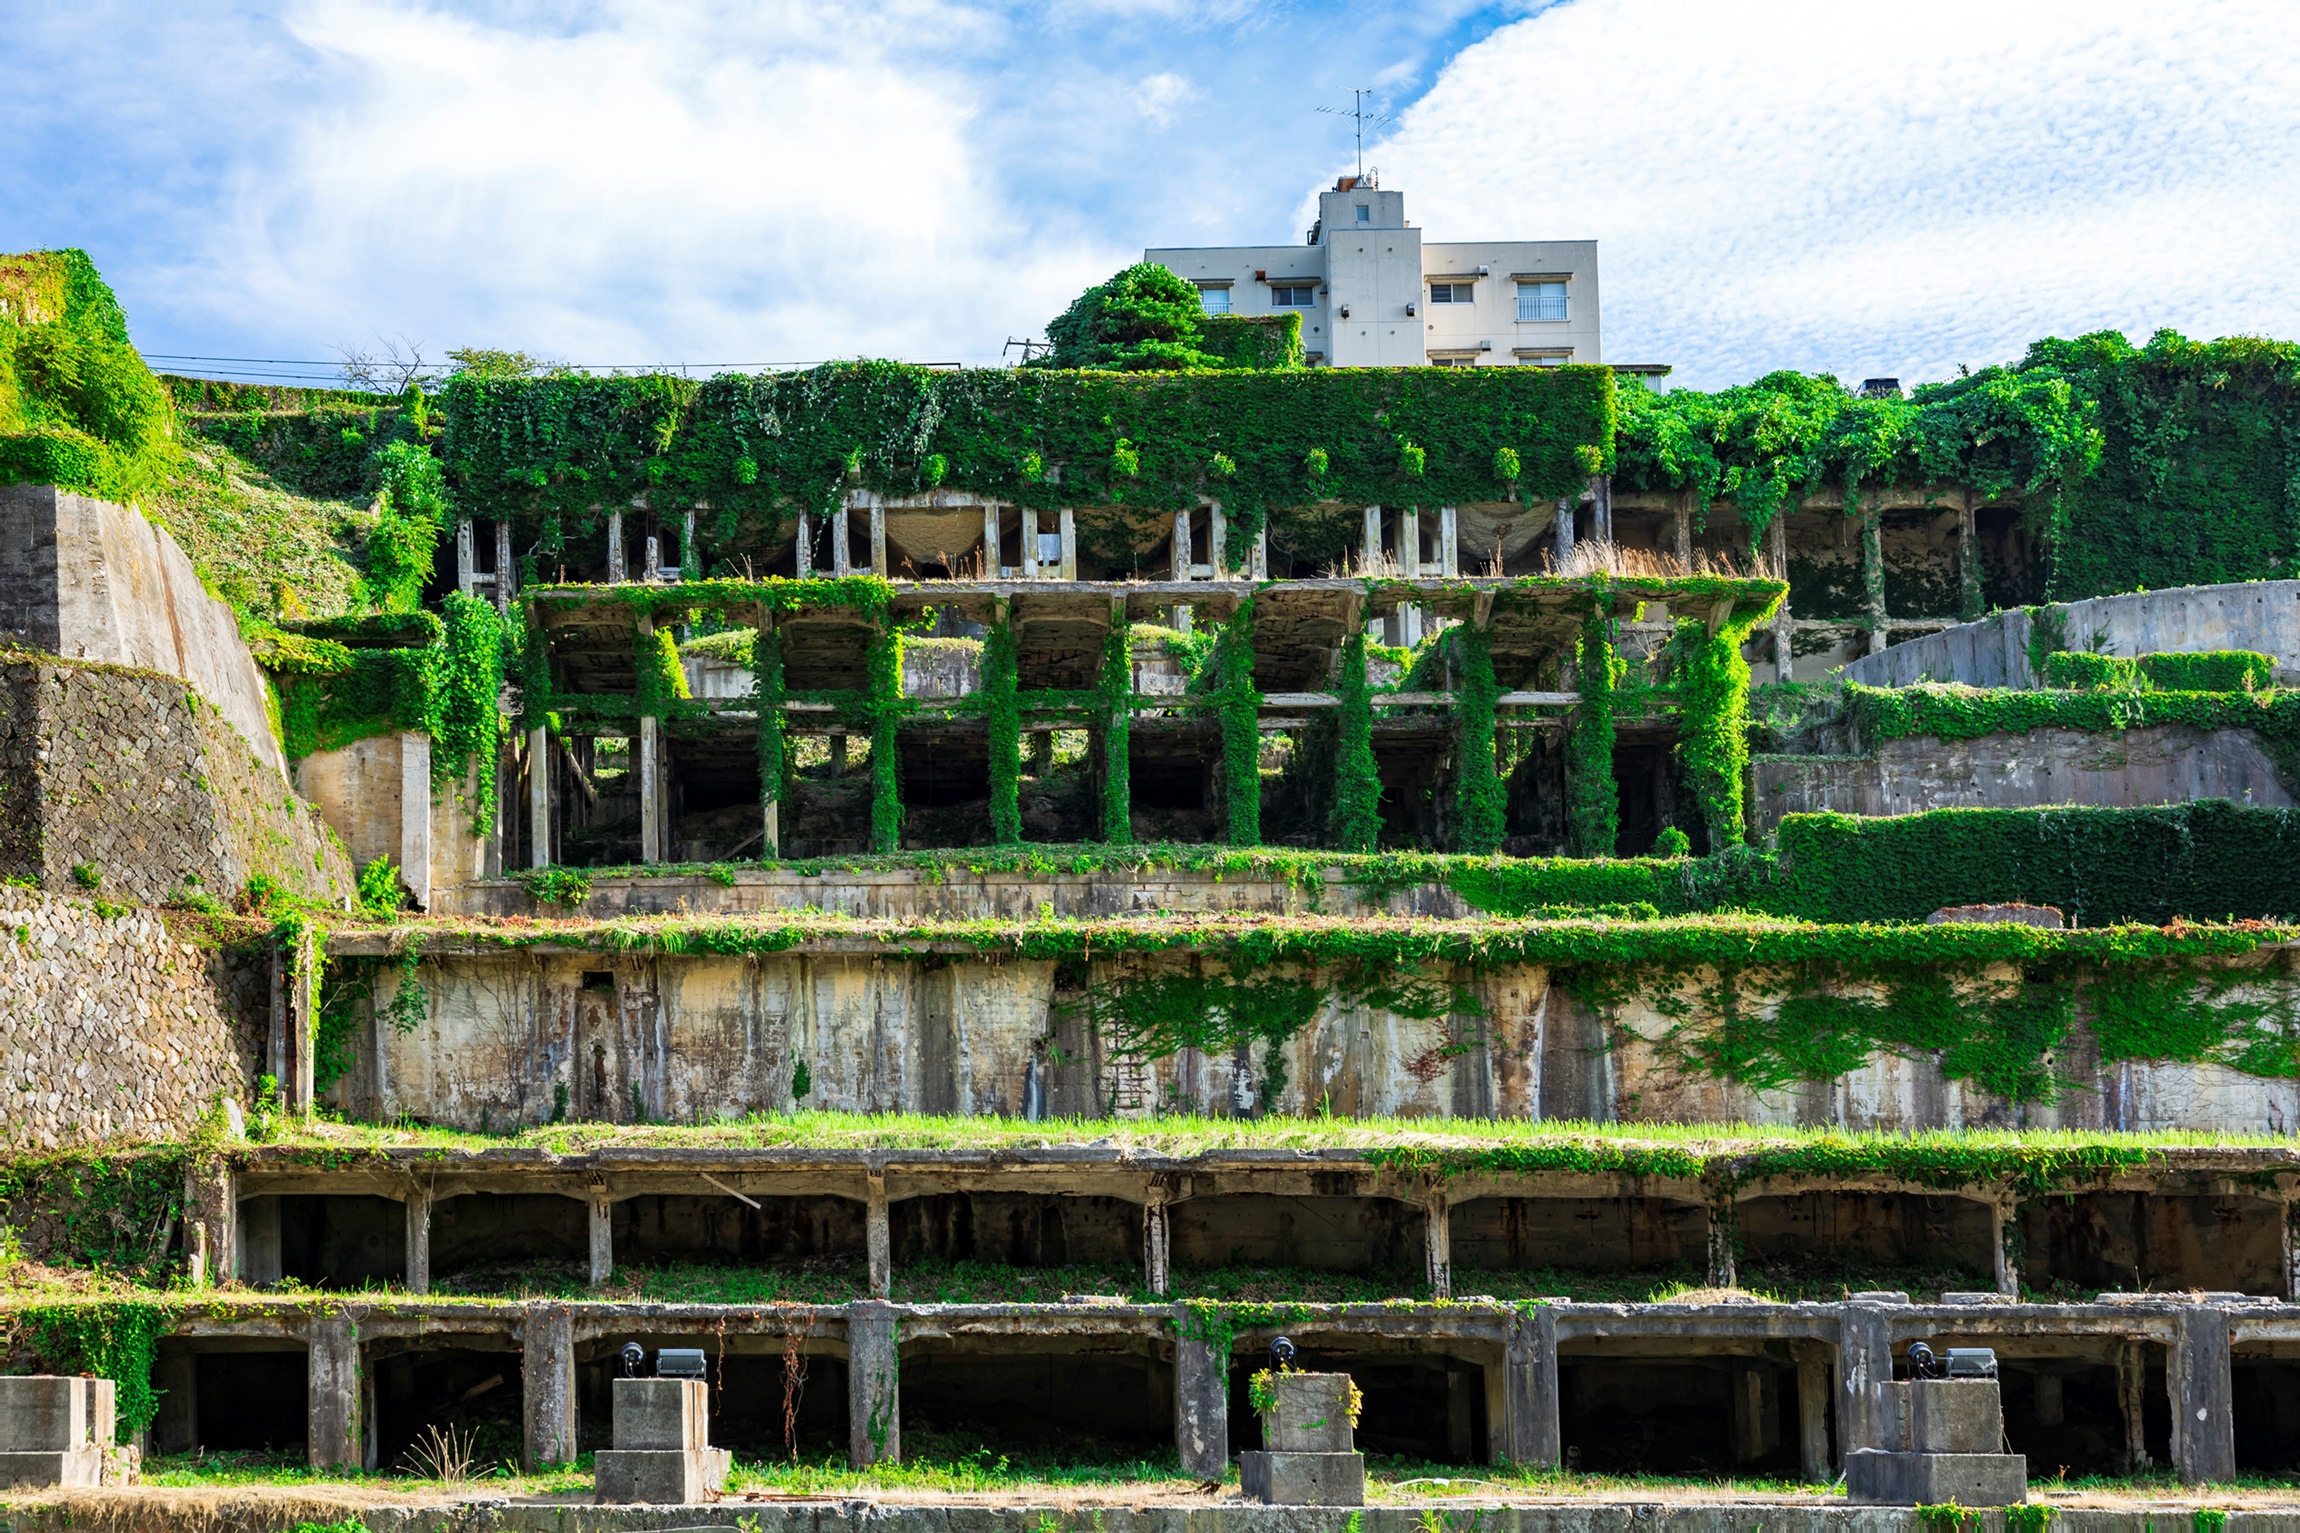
112	1028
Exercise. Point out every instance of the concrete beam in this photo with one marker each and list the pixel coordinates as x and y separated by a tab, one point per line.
547	1379
874	1398
336	1432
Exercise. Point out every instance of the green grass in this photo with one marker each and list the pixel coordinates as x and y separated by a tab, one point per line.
223	1470
247	535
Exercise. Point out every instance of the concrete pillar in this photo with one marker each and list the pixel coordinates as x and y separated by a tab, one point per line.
1261	567
652	568
1745	1409
874	1377
602	1238
878	537
547	1379
333	1415
1530	1388
990	541
1460	1443
1722	1269
1027	560
1601	507
1813	1413
1371	550
1157	1271
1215	529
1201	1406
1410	541
1449	543
2132	1402
1873	570
838	756
1564	530
1784	627
208	1209
418	1239
2291	1262
1971	602
616	567
1182	559
504	580
2203	1404
1864	1360
259	1258
804	548
1069	543
842	549
466	557
690	564
878	1240
1684	521
2002	1216
539	769
650	743
415	816
294	1003
1437	1245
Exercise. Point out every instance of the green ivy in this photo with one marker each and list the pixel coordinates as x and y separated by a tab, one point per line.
767	698
1004	717
2216	670
1592	800
1712	685
116	1339
1357	806
1481	802
1239	707
1117	703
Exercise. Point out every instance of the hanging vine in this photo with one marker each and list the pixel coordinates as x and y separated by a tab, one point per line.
1004	717
1357	811
1593	802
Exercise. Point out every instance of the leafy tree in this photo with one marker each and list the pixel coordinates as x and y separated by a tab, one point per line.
1144	319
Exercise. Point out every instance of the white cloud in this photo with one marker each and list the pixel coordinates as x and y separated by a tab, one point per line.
1881	188
1162	95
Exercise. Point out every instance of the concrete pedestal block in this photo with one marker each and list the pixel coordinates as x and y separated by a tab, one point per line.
1312	1414
1877	1478
659	1476
1303	1479
66	1466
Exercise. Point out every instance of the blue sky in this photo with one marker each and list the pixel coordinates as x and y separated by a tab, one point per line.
1860	188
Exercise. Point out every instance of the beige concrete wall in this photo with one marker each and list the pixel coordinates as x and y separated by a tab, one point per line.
2160	764
688	1039
363	790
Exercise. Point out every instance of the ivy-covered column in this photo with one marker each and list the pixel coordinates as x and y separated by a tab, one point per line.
1002	712
1357	814
1592	802
1712	722
885	708
1873	570
767	688
1972	604
1240	706
1479	797
1117	723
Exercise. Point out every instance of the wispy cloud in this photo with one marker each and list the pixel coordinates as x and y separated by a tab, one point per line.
1882	188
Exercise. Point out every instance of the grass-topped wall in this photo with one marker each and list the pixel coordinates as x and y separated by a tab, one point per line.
556	453
78	407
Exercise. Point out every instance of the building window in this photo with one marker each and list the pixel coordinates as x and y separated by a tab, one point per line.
1540	301
1302	297
1454	359
1365	214
1544	358
1453	292
1214	300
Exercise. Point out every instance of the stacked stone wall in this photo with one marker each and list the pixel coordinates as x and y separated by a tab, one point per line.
113	1028
133	779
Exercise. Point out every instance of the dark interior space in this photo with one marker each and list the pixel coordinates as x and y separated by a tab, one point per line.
1019	1229
224	1397
749	1392
342	1241
1426	1405
2267	1411
1087	1403
1849	1233
681	1227
1645	783
2067	1416
1414	762
1604	1234
463	1390
1708	1416
942	767
1331	1233
2135	1241
496	1229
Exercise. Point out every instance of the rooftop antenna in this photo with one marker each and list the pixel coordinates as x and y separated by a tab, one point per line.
1029	348
1362	116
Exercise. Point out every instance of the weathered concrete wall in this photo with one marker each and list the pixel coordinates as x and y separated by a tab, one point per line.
687	1039
2261	615
363	792
91	580
112	1029
130	775
2159	764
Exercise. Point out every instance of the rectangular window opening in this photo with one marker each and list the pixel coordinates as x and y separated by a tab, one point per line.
1540	301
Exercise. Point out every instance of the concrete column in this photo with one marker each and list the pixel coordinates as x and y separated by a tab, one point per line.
208	1237
1601	489
1069	543
1261	566
990	541
1684	520
333	1415
650	743
1530	1389
2003	1214
1182	559
259	1258
547	1379
2132	1402
1215	529
539	766
617	568
1784	627
1864	1360
874	1378
1410	541
1873	570
415	816
1564	529
838	756
2291	1262
1971	603
878	1240
602	1238
418	1239
690	567
842	550
1745	1410
1813	1412
1371	552
1027	561
878	537
1722	1273
1201	1406
466	557
1437	1245
504	580
1449	543
804	549
2203	1397
1157	1271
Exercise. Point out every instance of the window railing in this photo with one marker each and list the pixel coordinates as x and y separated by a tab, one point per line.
1534	307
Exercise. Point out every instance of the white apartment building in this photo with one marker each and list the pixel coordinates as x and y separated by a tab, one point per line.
1373	293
